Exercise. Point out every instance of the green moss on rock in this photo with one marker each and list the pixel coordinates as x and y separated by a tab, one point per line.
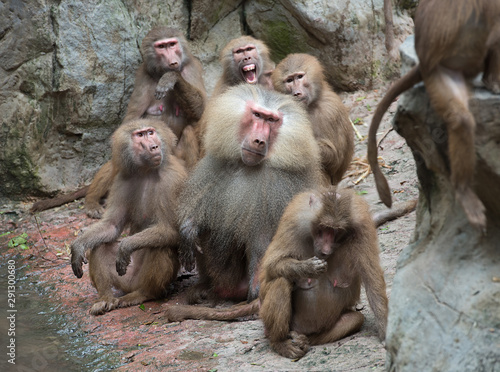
281	39
17	175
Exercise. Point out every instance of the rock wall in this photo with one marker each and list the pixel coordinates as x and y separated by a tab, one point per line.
347	36
67	68
444	308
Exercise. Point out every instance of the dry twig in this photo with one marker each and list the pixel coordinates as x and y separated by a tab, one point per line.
360	137
384	135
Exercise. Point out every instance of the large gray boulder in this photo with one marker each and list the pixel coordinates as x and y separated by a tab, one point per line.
67	68
444	312
346	36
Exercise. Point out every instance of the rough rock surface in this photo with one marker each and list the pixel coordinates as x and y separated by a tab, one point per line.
346	36
444	308
67	68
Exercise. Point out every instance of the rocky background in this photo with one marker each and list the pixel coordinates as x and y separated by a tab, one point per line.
67	68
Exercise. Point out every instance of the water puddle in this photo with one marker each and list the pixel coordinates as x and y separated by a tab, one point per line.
37	336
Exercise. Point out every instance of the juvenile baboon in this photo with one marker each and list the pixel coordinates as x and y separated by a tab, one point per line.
454	40
260	152
301	75
324	249
143	198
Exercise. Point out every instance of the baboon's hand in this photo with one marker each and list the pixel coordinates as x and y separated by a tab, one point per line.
315	267
165	84
77	259
122	262
95	212
122	258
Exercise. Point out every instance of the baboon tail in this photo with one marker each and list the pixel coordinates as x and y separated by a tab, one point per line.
58	200
177	313
398	210
403	84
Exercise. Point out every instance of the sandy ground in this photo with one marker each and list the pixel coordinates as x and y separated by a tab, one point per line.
139	337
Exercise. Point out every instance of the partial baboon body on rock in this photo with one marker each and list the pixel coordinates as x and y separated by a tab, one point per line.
301	75
455	40
260	152
143	198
